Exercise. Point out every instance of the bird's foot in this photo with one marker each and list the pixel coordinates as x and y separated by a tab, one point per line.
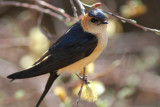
83	78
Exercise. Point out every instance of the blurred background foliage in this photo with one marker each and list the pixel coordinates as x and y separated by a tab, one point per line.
127	73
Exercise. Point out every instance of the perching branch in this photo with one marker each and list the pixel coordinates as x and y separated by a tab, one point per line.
95	76
84	81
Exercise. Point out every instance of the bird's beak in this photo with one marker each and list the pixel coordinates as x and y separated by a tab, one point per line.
103	22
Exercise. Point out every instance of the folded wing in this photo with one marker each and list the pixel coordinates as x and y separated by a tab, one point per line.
73	46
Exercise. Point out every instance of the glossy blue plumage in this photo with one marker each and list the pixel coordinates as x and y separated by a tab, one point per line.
97	13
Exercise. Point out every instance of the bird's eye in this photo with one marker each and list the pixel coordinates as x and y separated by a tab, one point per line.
93	20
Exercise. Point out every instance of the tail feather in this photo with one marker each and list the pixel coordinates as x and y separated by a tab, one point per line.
28	73
50	81
36	70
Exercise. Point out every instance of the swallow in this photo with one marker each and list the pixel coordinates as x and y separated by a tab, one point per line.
78	47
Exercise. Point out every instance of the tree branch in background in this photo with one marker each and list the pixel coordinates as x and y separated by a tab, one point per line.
63	14
31	6
38	8
134	22
74	9
83	82
131	21
96	5
59	10
81	7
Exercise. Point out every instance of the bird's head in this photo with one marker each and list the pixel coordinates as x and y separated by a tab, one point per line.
95	21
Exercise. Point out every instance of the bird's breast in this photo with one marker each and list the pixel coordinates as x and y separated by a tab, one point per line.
79	65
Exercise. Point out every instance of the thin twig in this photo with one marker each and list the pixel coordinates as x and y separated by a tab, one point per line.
59	10
86	5
84	80
79	94
98	4
31	6
81	7
133	22
74	9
